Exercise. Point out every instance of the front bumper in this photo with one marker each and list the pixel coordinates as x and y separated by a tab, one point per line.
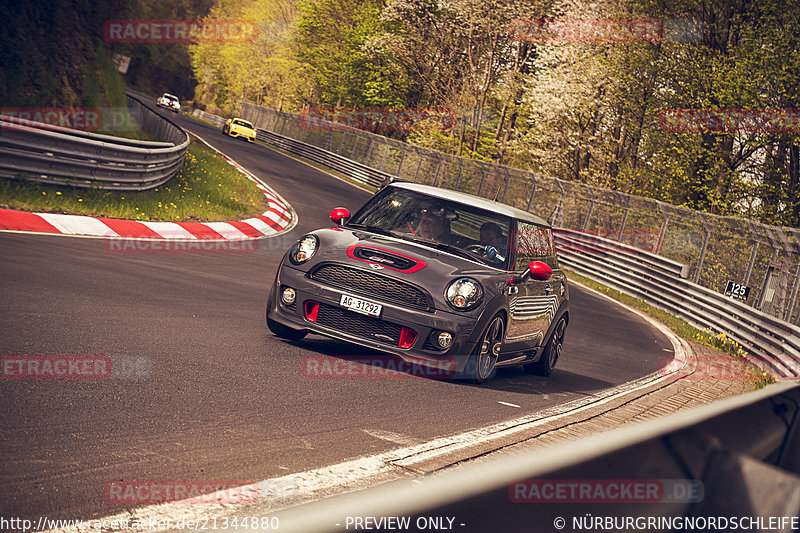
235	133
386	333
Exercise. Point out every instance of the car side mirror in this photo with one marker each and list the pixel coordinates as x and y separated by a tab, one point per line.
339	215
536	270
540	271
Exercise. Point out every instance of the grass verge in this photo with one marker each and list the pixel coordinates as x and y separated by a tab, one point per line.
759	378
205	189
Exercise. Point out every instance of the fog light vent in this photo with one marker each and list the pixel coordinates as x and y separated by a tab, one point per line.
288	296
444	340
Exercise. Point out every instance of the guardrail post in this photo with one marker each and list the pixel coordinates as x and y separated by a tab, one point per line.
621	232
460	170
753	253
402	160
508	180
533	192
438	168
557	210
703	251
483	178
419	166
591	208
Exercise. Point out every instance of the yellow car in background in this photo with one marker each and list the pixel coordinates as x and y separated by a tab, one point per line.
237	127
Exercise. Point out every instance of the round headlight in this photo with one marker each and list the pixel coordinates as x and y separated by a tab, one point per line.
303	249
464	294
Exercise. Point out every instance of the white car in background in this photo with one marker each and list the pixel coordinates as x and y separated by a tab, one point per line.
169	101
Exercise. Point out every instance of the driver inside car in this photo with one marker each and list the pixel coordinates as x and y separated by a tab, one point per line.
492	239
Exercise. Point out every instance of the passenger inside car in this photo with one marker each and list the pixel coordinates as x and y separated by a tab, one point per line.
434	225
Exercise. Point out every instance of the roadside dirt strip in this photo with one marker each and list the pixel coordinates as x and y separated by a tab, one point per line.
684	383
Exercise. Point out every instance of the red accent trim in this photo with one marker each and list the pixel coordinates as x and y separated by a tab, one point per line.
200	231
407	337
412	229
271	223
246	228
419	264
22	221
311	309
129	228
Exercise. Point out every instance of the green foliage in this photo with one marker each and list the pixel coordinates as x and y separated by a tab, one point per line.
333	38
51	50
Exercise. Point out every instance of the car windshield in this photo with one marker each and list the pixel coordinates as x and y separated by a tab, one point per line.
171	98
243	123
458	228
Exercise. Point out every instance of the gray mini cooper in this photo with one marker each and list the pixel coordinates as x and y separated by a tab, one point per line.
445	280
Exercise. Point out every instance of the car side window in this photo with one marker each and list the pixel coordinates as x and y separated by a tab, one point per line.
534	243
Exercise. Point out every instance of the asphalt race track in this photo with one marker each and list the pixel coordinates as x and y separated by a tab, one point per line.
220	397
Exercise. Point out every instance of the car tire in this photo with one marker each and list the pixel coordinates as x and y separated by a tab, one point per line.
481	363
552	351
285	332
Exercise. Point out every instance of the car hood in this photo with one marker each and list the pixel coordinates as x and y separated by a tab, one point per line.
395	257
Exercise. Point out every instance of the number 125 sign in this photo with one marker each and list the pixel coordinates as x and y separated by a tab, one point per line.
737	290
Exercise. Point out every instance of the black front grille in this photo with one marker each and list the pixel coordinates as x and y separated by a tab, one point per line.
373	285
359	325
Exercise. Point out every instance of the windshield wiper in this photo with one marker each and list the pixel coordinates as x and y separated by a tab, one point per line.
373	229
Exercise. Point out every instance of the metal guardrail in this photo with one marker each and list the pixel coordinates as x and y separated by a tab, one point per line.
64	156
736	459
716	249
208	117
773	344
353	170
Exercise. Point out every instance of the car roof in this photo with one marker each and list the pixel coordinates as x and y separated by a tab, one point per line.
170	96
472	200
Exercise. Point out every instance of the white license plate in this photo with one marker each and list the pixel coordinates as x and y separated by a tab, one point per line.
360	306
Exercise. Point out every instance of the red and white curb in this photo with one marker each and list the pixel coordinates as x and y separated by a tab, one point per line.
278	218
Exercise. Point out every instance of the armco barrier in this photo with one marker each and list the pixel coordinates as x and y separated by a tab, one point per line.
353	170
774	345
63	156
735	461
